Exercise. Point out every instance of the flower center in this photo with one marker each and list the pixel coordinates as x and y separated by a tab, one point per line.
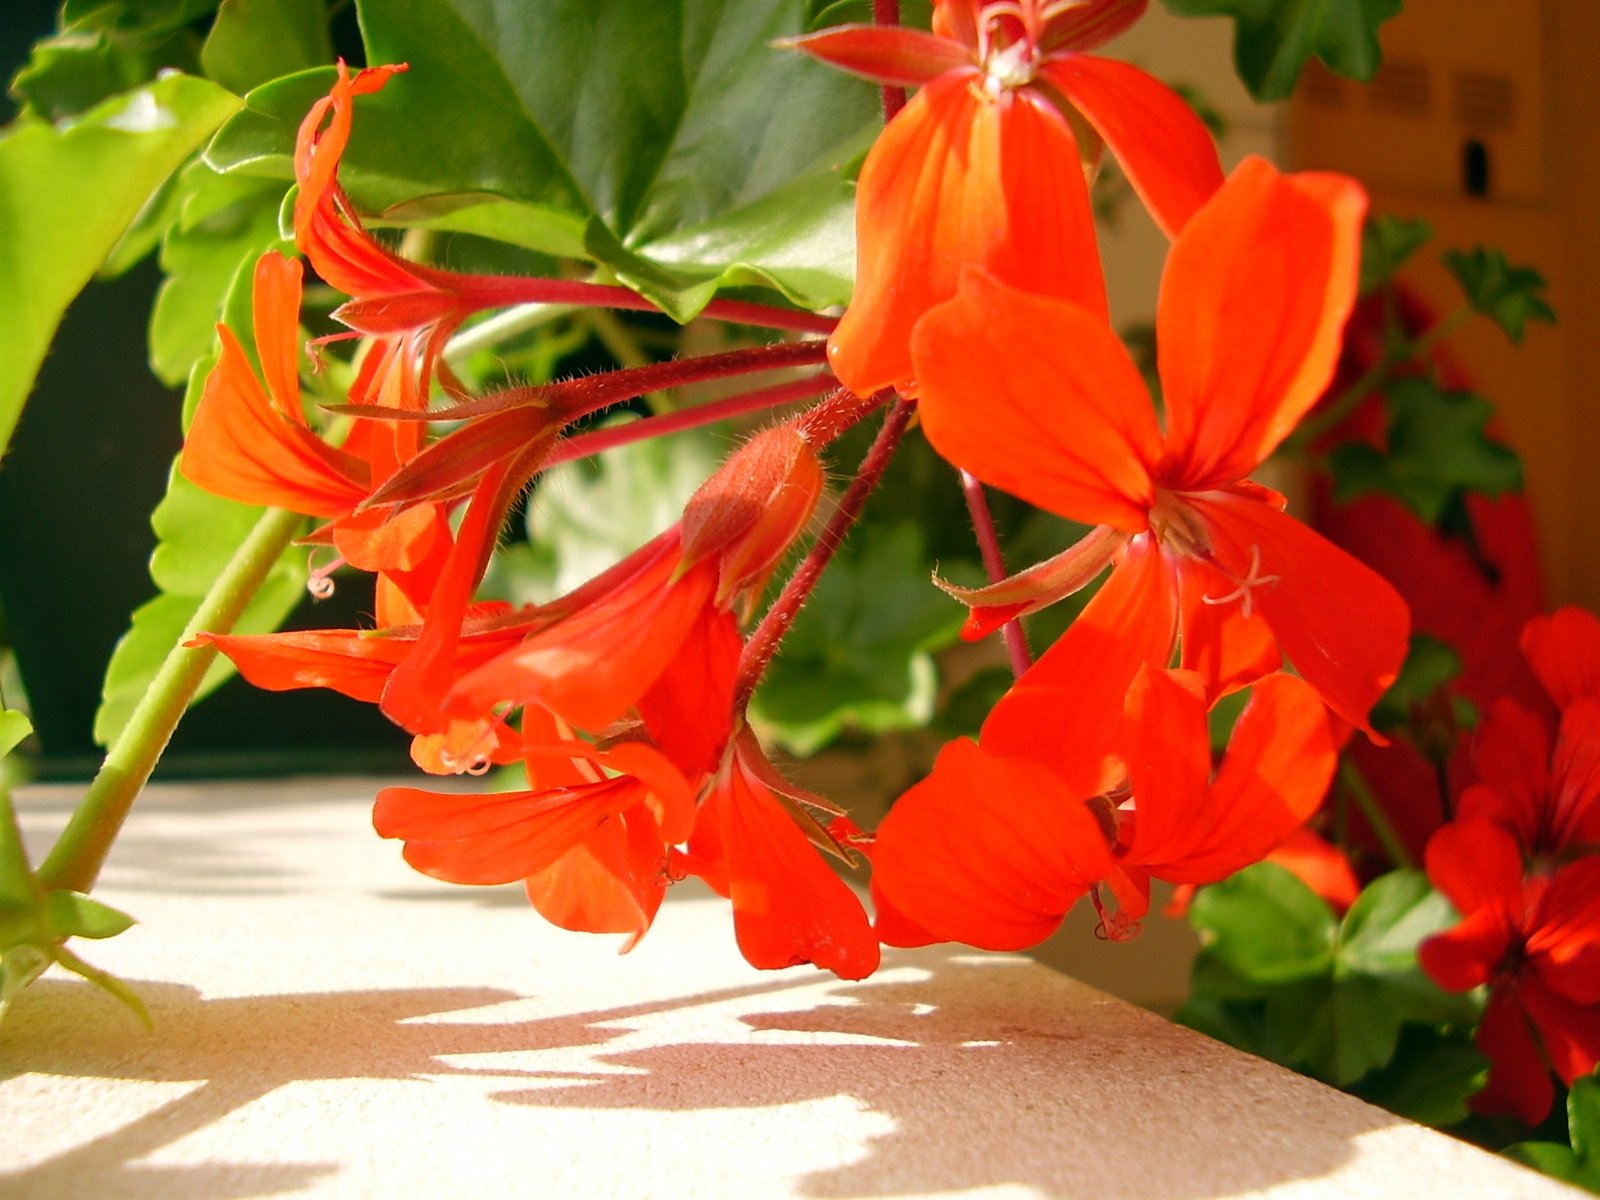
1178	528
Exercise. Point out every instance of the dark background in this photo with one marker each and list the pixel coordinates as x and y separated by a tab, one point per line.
86	467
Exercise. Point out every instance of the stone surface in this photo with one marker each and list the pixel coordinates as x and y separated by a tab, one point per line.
329	1023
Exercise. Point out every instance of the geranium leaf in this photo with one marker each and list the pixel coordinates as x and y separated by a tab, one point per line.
1330	998
198	534
253	41
1437	448
1429	1077
1266	926
1274	38
221	225
668	141
1577	1163
1510	296
1386	243
66	195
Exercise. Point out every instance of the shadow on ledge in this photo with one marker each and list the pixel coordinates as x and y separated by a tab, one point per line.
982	1076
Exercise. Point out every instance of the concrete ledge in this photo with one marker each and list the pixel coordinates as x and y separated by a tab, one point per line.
330	1023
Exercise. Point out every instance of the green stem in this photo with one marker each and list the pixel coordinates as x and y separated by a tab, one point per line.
1330	415
81	851
501	326
1372	810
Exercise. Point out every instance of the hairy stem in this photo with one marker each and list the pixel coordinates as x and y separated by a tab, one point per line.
994	566
763	643
887	12
81	851
595	441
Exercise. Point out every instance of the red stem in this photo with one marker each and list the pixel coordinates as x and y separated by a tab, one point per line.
887	12
839	412
595	441
994	564
763	643
584	394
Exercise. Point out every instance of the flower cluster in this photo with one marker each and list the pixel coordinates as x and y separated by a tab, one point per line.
1520	863
979	308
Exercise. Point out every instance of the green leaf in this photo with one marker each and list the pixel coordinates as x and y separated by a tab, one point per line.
198	533
1579	1163
1437	448
1330	999
14	727
129	17
72	72
1509	296
668	141
223	224
66	195
859	654
72	914
1266	926
1386	243
1429	1078
1274	38
254	41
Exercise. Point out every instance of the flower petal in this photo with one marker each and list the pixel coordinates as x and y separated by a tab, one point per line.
1225	646
1564	651
882	53
612	881
1477	866
988	851
1251	314
593	666
1086	25
1575	788
499	837
241	445
1518	1082
1164	148
1279	762
1066	711
1511	751
1038	397
961	178
789	907
1343	626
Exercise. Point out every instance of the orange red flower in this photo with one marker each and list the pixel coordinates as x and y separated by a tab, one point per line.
993	848
986	165
1036	395
1534	940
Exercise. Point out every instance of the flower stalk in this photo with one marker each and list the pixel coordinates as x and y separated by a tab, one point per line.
763	642
78	855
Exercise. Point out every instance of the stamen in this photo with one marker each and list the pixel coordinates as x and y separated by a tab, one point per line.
319	583
1113	926
1242	593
